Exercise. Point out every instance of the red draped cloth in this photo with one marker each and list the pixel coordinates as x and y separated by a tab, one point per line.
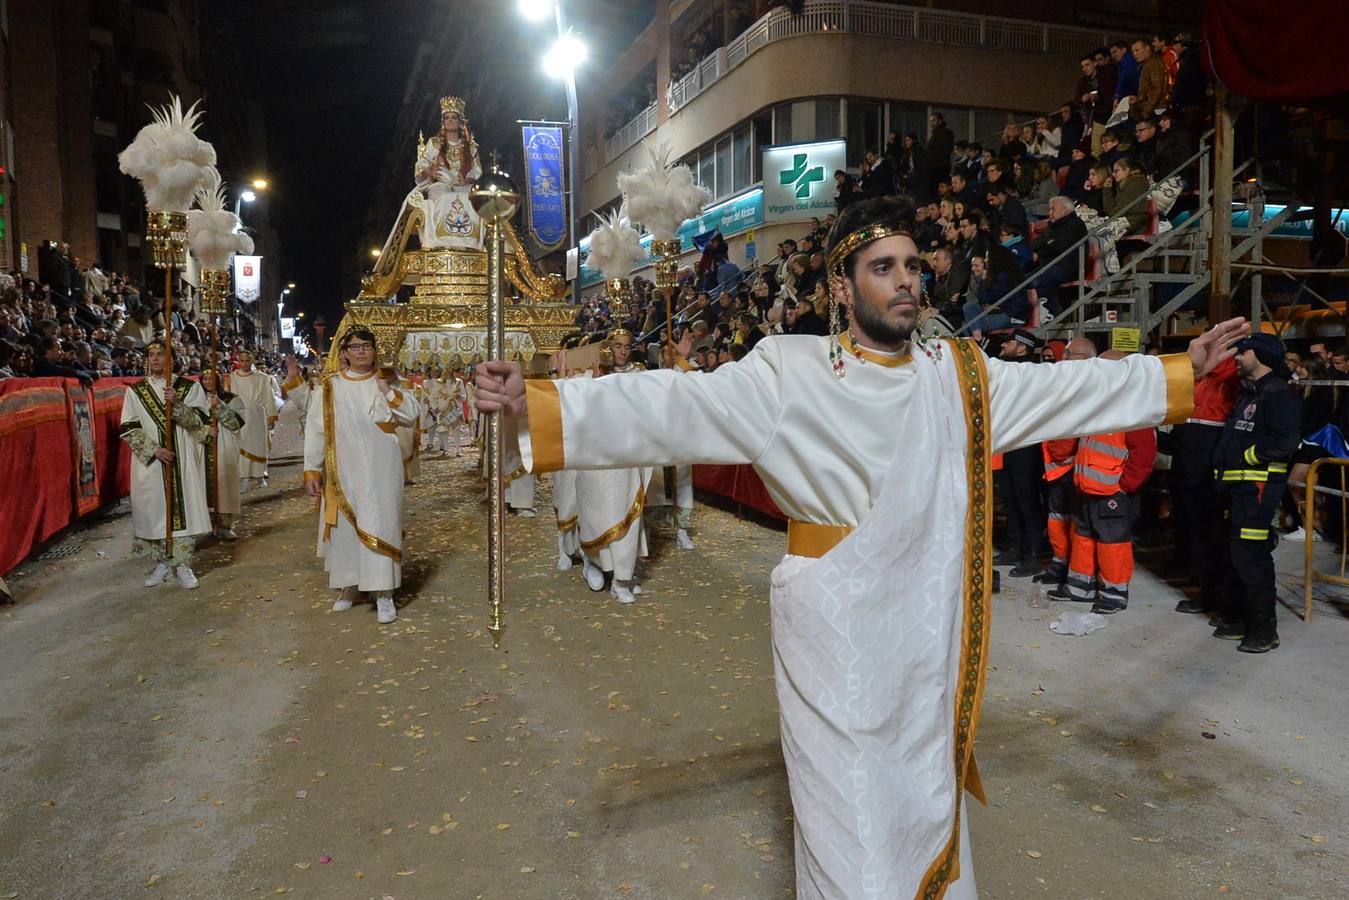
739	483
38	459
1278	51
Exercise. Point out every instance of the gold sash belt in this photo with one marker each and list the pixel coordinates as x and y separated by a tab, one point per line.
814	541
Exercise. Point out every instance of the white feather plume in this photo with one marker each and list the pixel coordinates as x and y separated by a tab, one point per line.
168	158
211	227
661	196
615	246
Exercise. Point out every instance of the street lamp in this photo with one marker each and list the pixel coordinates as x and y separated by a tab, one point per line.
536	10
260	184
561	62
239	201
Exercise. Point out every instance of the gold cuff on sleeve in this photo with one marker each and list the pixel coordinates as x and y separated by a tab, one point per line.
313	475
545	425
397	399
1179	387
292	384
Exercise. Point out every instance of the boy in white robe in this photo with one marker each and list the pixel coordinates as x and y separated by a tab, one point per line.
257	390
353	462
880	623
222	456
144	427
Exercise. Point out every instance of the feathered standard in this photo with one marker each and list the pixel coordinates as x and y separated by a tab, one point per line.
615	247
168	158
211	227
660	196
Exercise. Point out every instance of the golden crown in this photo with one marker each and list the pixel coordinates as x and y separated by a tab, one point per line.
452	104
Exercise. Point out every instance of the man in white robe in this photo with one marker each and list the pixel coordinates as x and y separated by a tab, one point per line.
878	451
222	456
610	502
353	462
257	391
144	426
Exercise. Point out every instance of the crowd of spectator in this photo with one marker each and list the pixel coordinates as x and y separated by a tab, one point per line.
78	321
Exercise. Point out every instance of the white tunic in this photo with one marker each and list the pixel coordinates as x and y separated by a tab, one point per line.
257	391
226	488
871	641
146	414
350	443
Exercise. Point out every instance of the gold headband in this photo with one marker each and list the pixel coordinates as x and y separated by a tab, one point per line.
859	239
620	332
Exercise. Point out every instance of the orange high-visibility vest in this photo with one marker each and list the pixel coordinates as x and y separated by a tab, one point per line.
1054	469
1100	464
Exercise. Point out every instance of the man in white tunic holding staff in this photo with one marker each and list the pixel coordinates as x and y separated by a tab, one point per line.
352	460
878	450
257	391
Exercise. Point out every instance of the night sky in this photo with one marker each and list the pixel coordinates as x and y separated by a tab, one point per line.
331	75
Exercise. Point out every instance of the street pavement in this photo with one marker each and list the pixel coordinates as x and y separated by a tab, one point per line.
244	740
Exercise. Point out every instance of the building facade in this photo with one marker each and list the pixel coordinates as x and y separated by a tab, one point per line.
719	83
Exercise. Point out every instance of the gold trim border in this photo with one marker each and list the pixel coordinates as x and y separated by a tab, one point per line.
333	484
617	531
972	375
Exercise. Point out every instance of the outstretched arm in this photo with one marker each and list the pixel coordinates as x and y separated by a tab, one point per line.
1030	403
642	419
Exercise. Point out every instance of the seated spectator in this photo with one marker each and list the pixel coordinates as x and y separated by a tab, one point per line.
7	351
1014	239
1006	210
1012	145
1072	129
974	238
1175	145
997	171
49	362
1145	145
1047	139
1075	183
1065	230
951	276
802	319
1111	148
961	192
1023	176
1129	184
1044	189
1003	275
1098	182
880	181
845	190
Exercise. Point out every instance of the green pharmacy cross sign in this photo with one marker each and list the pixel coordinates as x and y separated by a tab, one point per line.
801	176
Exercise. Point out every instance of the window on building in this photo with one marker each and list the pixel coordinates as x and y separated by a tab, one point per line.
763	137
864	129
707	169
909	118
725	178
782	124
988	125
826	119
957	119
742	150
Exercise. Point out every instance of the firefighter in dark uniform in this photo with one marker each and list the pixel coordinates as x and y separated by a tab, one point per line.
1251	463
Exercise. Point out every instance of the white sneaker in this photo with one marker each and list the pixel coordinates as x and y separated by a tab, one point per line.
385	612
682	537
186	578
1300	535
263	481
621	594
158	576
346	599
637	589
593	575
227	534
564	560
527	513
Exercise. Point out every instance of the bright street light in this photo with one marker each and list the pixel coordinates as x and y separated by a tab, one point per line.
375	251
248	196
536	10
299	315
291	285
260	184
562	60
285	292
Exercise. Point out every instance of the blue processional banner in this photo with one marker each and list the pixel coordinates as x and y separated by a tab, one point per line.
546	212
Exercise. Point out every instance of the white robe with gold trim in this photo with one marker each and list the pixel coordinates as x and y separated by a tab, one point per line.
148	518
351	427
258	393
872	641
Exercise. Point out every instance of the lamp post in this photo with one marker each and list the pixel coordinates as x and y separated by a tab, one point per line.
248	195
280	307
561	62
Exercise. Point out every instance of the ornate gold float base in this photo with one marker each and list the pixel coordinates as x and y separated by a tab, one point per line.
450	293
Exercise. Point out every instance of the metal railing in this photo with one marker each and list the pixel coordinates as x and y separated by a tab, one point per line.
641	125
886	20
1309	574
1080	248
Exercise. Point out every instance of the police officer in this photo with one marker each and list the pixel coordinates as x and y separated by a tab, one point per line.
1251	463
